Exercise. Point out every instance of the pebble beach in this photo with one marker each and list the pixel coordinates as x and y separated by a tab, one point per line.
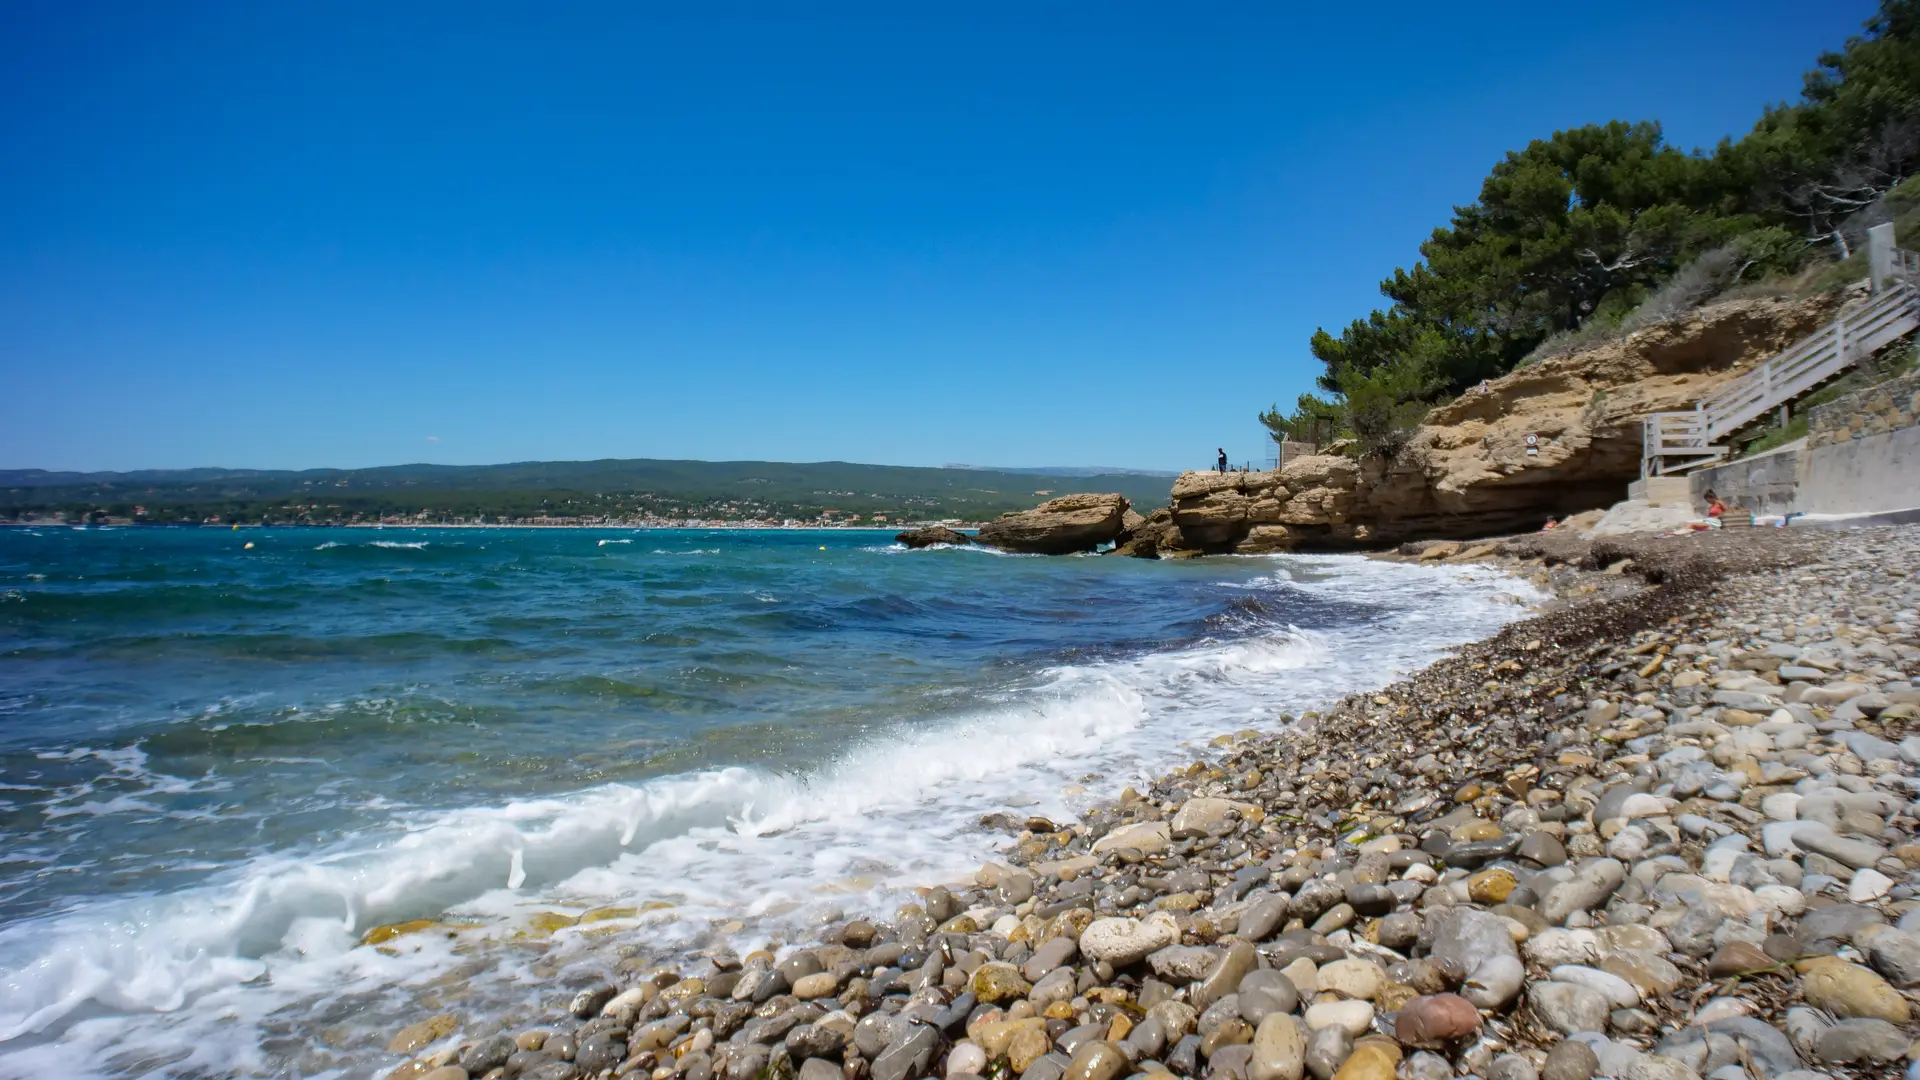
1664	829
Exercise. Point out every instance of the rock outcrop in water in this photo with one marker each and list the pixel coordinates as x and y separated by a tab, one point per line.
1140	536
931	535
1062	526
1466	471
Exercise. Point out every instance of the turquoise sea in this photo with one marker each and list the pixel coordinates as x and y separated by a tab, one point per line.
220	766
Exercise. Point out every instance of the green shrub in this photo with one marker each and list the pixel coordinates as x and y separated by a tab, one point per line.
1796	429
1904	197
1749	257
1378	409
1590	334
1836	274
1386	404
1313	420
1594	231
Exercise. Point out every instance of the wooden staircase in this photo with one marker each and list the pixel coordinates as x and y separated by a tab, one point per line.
1673	442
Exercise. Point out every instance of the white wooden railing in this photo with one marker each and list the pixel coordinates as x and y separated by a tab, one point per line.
1674	442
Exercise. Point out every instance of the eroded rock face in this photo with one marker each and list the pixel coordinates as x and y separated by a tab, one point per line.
1141	537
1466	471
1060	526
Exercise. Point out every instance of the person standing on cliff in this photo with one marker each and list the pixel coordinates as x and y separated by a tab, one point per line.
1222	464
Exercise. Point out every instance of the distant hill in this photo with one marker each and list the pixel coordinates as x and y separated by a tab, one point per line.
619	489
1068	470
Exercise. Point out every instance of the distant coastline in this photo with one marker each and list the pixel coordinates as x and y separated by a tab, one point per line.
733	526
748	494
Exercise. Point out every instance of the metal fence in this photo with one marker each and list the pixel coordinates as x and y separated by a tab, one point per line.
1279	456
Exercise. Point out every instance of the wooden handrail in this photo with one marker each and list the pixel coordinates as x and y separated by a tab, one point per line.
1806	364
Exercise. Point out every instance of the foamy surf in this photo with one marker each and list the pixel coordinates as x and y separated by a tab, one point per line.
207	979
978	549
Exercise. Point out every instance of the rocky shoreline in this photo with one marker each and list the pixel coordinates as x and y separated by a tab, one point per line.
1545	440
1664	830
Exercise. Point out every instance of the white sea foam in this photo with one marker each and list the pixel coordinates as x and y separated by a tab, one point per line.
604	543
978	549
121	788
411	545
193	977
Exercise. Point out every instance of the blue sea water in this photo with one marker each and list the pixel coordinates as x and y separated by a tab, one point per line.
220	766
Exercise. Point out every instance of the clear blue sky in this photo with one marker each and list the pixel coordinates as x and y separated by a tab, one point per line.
295	235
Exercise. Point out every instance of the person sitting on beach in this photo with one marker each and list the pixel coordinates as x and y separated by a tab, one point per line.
1715	508
1223	460
1550	525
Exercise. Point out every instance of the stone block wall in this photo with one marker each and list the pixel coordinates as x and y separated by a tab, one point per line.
1767	484
1291	451
1876	410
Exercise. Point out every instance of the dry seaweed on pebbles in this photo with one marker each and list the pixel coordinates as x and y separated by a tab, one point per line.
1664	832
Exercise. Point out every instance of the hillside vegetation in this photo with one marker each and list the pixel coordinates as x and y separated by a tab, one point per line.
1603	229
620	490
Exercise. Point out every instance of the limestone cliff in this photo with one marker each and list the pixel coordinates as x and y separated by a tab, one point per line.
1466	471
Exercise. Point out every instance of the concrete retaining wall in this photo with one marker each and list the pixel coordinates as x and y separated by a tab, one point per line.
1862	475
1861	456
1767	484
1863	451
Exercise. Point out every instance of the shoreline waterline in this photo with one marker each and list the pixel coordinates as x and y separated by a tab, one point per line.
1572	848
243	526
741	815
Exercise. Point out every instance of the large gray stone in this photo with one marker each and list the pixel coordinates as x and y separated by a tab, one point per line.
1182	963
1815	837
1328	1049
488	1054
1615	797
1567	1007
1895	954
1593	881
1480	946
1874	1041
1867	747
1224	976
820	1069
1837	922
1568	1060
1052	953
1265	992
909	1056
1767	1048
1262	918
